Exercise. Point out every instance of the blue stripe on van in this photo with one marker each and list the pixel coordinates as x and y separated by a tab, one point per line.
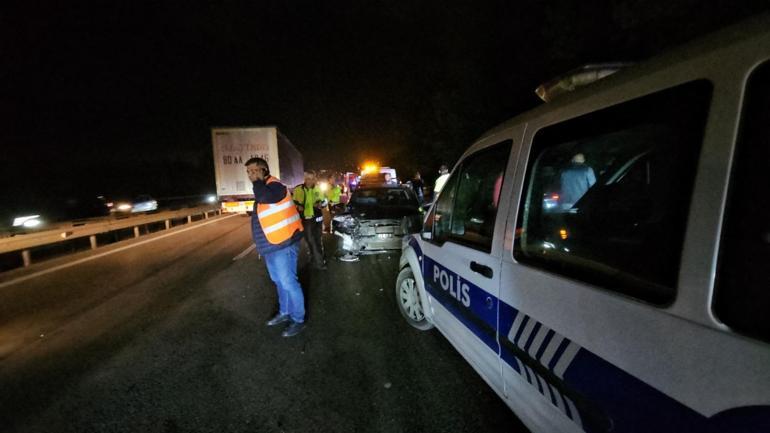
593	393
479	315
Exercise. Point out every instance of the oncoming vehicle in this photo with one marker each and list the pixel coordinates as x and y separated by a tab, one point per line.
376	219
144	203
633	301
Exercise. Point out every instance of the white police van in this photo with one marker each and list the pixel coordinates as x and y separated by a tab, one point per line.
603	261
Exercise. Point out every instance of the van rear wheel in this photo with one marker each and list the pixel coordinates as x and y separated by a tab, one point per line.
409	301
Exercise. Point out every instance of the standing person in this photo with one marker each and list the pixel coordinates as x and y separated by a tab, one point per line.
277	229
333	194
443	175
335	191
575	181
310	201
418	186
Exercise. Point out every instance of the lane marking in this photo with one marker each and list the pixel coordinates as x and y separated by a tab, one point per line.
106	253
244	252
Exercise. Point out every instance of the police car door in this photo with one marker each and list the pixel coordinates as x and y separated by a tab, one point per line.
461	266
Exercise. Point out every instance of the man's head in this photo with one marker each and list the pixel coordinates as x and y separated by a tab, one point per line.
310	178
257	169
579	158
417	175
443	169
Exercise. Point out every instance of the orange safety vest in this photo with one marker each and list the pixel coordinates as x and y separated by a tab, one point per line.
279	220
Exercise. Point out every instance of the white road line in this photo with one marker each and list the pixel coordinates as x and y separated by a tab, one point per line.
244	252
106	253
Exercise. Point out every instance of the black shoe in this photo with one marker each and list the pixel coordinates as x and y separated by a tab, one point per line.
293	329
278	319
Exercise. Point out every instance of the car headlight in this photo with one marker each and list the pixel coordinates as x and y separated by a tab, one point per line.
28	221
345	222
124	206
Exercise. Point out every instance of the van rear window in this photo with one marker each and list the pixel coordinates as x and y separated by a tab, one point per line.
607	194
742	294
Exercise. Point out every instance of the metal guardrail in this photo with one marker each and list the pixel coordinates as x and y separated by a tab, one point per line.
90	228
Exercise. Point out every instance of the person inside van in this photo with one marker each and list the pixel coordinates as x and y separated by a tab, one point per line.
576	179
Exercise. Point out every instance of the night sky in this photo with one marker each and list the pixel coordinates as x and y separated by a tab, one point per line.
118	97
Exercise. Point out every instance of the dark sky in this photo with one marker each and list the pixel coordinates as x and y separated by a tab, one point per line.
118	97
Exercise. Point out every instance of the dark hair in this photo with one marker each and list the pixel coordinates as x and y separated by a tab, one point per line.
260	163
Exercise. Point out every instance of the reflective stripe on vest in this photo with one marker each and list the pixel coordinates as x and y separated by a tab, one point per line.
279	220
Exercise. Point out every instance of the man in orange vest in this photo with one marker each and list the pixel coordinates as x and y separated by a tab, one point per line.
277	229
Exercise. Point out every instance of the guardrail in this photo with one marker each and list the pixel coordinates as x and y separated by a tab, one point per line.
90	228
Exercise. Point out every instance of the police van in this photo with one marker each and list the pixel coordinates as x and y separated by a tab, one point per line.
603	261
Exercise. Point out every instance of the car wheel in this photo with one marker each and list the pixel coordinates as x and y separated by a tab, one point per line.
408	300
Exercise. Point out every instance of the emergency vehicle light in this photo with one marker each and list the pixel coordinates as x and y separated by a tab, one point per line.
370	168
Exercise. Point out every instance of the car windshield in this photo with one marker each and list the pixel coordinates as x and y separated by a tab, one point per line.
383	197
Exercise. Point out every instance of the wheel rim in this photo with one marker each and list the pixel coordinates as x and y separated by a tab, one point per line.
410	300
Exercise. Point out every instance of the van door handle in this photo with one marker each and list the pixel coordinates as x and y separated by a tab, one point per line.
481	269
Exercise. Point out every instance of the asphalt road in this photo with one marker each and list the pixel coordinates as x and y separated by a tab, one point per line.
165	334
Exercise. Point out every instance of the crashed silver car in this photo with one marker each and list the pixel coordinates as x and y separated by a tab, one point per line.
376	218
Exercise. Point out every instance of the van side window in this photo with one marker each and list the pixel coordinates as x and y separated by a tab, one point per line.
742	297
607	194
467	207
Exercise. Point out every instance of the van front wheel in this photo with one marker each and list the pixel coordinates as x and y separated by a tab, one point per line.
409	301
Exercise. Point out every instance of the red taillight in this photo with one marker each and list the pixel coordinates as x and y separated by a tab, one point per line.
555	196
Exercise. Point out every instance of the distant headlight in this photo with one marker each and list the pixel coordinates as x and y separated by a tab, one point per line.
124	206
28	221
211	199
323	186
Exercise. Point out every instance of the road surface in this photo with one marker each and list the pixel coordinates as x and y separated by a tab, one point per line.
165	334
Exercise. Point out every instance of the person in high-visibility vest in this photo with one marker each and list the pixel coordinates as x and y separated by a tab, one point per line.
335	191
310	201
276	227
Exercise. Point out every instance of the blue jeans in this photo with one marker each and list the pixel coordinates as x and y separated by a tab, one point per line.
282	267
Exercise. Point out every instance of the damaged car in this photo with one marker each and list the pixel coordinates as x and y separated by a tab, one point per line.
376	218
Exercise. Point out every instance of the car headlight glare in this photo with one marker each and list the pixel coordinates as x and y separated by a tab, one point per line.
27	221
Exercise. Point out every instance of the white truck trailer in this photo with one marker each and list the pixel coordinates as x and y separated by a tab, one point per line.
234	146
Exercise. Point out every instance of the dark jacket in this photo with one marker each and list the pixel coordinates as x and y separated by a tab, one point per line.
268	193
